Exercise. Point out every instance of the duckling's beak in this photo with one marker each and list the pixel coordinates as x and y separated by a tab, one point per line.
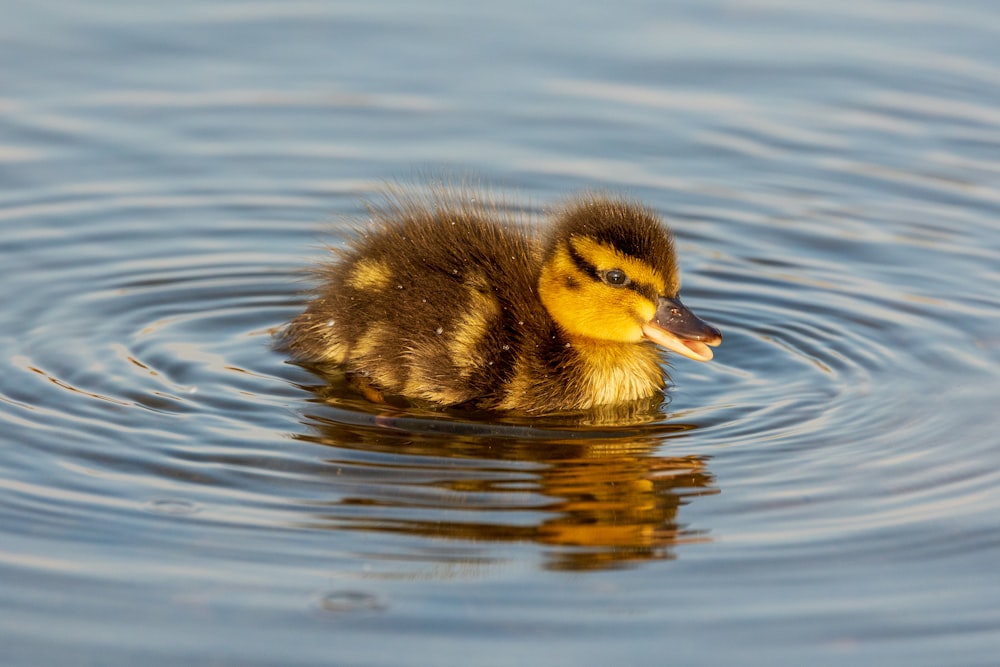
679	330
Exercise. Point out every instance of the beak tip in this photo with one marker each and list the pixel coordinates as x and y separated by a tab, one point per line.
678	329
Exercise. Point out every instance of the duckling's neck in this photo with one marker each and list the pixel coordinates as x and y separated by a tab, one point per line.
618	372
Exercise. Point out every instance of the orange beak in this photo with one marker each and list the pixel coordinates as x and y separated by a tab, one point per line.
677	329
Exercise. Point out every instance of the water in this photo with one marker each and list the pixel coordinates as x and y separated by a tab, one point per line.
172	491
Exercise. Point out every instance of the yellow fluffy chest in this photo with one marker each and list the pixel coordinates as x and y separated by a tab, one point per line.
617	373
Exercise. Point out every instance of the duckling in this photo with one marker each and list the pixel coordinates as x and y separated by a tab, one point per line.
446	300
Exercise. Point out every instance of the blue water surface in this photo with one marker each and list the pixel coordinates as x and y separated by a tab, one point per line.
174	491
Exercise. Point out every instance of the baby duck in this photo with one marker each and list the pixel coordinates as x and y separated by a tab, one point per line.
446	300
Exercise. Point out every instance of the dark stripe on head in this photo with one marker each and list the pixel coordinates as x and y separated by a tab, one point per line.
637	242
581	264
648	291
586	268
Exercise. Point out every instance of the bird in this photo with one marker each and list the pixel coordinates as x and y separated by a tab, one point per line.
450	299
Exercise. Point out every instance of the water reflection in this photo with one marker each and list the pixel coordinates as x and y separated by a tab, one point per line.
593	497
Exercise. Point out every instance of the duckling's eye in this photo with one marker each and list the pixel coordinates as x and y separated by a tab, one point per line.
615	277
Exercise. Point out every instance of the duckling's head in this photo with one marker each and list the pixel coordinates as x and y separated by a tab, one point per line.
610	274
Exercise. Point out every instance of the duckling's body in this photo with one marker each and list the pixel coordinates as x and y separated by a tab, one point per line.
459	304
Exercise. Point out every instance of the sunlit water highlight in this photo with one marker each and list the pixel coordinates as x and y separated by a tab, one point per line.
172	490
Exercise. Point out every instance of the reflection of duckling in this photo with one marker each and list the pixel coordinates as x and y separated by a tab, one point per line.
605	500
456	304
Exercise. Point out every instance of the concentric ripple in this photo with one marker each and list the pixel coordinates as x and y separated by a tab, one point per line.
174	491
153	411
160	364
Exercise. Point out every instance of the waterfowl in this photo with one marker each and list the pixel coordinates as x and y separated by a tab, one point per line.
444	299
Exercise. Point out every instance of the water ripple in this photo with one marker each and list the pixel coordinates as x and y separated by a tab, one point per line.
829	170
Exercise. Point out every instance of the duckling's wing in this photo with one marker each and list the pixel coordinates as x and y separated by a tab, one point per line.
426	303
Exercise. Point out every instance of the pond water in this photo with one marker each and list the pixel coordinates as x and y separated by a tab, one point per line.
174	491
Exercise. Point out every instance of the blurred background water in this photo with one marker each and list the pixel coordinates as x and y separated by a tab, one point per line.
173	491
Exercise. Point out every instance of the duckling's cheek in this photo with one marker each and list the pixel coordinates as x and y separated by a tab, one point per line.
644	310
607	313
623	328
626	318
